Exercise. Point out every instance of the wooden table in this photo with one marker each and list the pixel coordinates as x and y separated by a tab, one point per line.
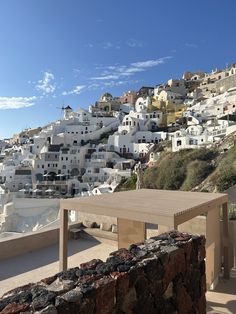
169	208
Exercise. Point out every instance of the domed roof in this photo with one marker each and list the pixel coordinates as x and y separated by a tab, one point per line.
106	96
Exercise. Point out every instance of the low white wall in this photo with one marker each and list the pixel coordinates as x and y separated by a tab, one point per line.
33	241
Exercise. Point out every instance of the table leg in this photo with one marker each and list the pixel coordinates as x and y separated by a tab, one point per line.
226	240
63	239
130	232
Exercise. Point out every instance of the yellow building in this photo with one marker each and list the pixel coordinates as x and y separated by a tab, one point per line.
171	111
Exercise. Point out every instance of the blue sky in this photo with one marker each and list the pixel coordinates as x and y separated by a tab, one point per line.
55	52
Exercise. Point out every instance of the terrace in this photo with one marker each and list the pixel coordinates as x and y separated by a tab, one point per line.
32	264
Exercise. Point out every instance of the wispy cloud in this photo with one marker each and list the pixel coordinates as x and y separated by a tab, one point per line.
47	84
76	91
107	45
16	102
105	77
116	72
133	43
89	45
75	70
119	83
150	63
191	45
110	45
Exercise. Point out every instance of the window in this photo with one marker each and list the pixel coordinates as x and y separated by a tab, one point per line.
179	143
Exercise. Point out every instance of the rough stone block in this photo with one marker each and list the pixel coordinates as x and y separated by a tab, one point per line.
105	295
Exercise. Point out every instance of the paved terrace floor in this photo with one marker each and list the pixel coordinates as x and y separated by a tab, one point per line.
32	267
223	298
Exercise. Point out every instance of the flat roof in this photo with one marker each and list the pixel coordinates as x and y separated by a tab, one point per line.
148	205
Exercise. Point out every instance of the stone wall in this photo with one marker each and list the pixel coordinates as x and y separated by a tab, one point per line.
226	83
165	274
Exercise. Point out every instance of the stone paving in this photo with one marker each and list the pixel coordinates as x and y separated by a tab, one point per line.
223	298
31	267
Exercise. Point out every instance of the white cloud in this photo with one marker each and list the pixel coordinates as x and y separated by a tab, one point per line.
46	85
150	63
116	72
16	102
76	91
107	45
133	43
89	45
191	45
75	70
93	86
105	77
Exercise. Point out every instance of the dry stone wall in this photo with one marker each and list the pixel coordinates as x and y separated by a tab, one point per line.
165	274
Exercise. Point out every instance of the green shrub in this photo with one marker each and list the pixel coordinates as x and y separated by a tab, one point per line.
225	175
226	178
197	171
127	184
181	170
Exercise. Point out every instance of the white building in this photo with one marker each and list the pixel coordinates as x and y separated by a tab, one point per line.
137	132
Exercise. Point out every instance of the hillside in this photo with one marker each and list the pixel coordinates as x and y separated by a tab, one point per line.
206	169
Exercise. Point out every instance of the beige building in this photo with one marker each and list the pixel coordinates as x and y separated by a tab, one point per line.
106	104
21	137
129	97
171	111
